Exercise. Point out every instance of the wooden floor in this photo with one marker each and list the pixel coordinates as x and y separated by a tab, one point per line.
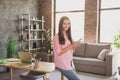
16	72
56	75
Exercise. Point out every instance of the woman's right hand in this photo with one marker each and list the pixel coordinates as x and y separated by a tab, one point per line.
75	44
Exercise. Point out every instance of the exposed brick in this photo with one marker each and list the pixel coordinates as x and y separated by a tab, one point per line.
90	20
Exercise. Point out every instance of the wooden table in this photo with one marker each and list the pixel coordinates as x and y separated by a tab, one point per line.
45	67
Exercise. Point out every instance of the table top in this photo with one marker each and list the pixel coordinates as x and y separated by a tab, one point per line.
43	66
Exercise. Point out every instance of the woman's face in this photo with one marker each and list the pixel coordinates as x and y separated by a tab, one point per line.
66	25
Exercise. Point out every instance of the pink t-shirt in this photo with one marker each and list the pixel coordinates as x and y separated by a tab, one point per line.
62	61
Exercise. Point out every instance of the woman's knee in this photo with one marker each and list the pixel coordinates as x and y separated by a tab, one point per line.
74	78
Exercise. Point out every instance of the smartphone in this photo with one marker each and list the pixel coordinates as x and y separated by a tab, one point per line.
80	39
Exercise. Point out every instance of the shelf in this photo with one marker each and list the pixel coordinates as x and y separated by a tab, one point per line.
37	20
23	19
33	20
36	39
36	30
31	31
32	49
35	48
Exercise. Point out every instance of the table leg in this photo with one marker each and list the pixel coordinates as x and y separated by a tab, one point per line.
47	76
62	76
11	71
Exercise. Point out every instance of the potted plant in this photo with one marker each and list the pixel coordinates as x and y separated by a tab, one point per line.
3	56
116	42
48	45
11	46
48	42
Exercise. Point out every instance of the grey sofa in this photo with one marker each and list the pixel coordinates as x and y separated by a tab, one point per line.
86	59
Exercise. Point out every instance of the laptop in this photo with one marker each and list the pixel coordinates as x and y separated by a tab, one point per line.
25	57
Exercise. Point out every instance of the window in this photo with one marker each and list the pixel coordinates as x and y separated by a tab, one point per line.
109	20
110	3
74	9
69	5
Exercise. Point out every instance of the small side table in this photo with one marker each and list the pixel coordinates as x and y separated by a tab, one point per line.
62	76
119	73
119	70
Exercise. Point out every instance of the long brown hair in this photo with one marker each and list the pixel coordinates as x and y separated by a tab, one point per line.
60	33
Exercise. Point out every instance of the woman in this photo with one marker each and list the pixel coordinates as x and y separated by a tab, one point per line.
63	47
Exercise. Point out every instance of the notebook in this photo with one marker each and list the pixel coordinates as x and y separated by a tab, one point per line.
25	57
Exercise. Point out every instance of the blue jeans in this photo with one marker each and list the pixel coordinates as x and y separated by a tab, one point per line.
70	74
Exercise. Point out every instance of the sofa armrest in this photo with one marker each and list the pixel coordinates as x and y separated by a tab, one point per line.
109	63
112	63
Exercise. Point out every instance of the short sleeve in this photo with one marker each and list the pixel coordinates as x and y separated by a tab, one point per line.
56	46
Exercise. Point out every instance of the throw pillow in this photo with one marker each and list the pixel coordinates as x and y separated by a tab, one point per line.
103	54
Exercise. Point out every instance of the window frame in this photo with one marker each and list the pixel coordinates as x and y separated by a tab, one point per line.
99	18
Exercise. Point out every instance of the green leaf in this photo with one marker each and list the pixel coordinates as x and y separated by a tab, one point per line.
11	46
48	42
116	41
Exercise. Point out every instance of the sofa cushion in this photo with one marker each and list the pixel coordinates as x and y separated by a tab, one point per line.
93	49
80	50
89	61
103	53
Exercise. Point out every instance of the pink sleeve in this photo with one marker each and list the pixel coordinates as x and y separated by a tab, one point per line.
56	46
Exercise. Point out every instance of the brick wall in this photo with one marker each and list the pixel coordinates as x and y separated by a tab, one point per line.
46	10
90	20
